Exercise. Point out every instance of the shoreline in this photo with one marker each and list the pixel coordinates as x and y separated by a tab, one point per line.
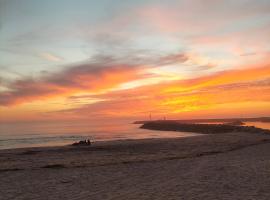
160	134
191	145
106	141
101	143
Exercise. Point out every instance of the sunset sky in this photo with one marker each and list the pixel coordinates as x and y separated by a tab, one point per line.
112	59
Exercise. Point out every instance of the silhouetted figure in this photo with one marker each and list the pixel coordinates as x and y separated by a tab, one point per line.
82	143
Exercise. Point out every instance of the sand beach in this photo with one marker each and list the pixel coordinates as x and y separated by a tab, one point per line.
211	166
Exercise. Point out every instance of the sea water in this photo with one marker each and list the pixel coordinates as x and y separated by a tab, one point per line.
19	135
37	134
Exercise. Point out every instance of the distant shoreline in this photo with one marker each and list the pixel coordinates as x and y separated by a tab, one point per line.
173	125
221	120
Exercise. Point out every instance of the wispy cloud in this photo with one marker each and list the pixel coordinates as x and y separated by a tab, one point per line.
101	74
80	78
221	91
51	57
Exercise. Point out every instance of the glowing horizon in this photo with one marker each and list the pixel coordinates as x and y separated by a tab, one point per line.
63	60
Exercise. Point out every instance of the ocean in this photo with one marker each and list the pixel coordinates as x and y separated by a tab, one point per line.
20	135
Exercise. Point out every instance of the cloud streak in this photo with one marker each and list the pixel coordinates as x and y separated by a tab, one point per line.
80	78
236	90
102	74
51	57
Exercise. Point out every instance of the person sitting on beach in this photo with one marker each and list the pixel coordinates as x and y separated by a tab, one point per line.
82	143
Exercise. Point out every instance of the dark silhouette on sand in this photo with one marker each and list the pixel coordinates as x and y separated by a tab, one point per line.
82	143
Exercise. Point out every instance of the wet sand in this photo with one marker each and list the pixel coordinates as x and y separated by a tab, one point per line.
217	166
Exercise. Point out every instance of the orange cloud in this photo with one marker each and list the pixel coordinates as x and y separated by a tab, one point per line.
79	79
238	91
101	75
231	93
